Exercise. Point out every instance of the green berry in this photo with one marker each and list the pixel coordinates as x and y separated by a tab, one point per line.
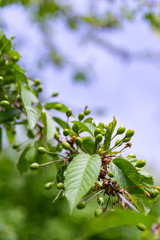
61	196
69	112
41	150
40	88
87	111
66	145
48	185
118	142
81	116
98	138
55	94
126	139
101	125
110	174
140	163
98	213
4	103
130	133
66	132
100	200
34	166
15	146
121	130
75	128
81	205
97	131
99	183
131	156
37	82
58	106
79	141
56	136
60	185
141	226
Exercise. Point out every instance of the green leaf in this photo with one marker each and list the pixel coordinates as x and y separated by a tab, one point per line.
62	123
10	134
155	211
81	175
33	115
0	139
112	125
49	126
88	120
115	219
8	114
107	140
146	177
27	96
28	156
85	127
53	105
126	175
88	144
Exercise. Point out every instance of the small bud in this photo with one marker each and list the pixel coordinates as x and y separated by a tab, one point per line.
56	136
55	94
69	112
37	82
40	88
41	150
99	183
79	141
87	111
4	103
100	200
121	130
34	166
110	174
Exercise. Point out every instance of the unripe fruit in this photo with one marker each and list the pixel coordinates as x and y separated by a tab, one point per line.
61	196
155	193
55	94
81	116
101	125
48	185
79	141
131	156
34	166
41	150
37	82
140	163
97	131
121	130
81	205
100	200
66	145
66	132
58	106
40	88
69	112
99	183
60	185
98	138
110	174
75	128
98	213
118	142
87	111
56	136
4	103
15	146
126	139
130	133
141	226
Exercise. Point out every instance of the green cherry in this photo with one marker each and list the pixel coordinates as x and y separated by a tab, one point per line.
130	133
48	185
98	138
121	130
100	200
75	128
60	185
4	103
40	88
37	82
66	132
81	116
41	150
87	111
98	212
66	145
140	163
69	112
34	166
81	205
55	94
79	141
56	136
110	174
97	131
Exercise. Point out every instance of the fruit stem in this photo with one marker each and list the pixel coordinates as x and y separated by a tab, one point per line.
44	164
94	195
57	196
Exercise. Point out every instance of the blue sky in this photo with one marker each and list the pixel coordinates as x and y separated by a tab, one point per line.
128	90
